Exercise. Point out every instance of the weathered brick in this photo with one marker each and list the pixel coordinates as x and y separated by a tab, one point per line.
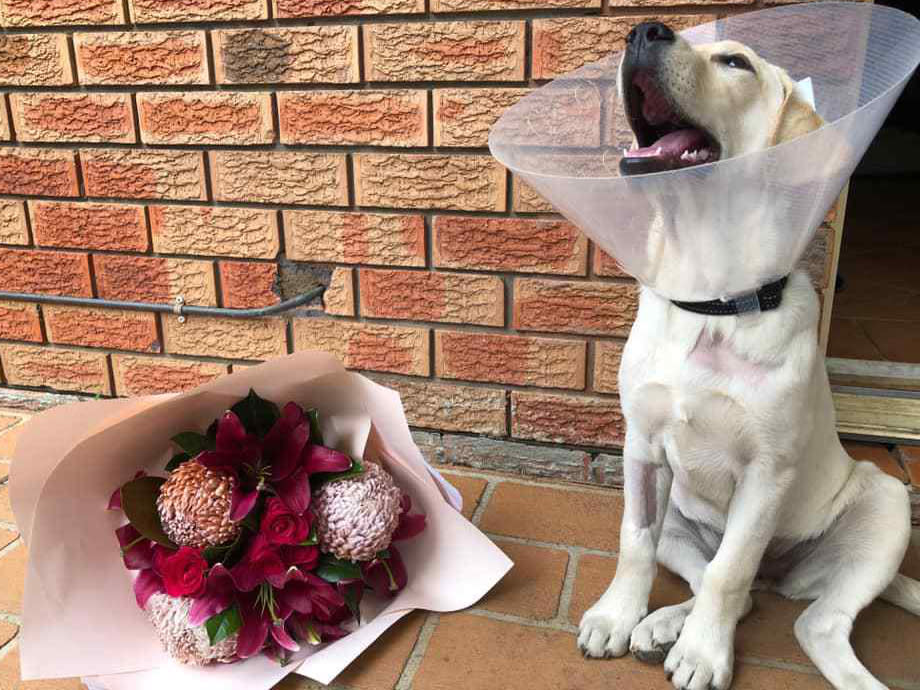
509	244
483	5
463	117
607	354
38	171
151	375
516	360
280	177
567	419
13	228
561	45
59	12
426	296
339	298
517	458
5	131
61	369
818	257
151	11
20	321
105	328
466	183
445	51
217	231
56	117
355	238
380	118
526	199
56	273
35	60
607	469
313	54
575	307
372	346
254	339
142	57
118	227
606	266
144	173
336	8
665	3
246	284
154	279
221	117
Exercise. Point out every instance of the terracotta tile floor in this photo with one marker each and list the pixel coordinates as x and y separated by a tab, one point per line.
521	636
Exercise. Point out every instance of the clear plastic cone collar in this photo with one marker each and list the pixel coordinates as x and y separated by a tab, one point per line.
697	160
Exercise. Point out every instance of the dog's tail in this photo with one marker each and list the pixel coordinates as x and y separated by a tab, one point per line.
903	592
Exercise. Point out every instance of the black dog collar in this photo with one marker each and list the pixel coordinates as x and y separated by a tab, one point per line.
770	296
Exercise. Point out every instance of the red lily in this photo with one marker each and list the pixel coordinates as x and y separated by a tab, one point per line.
386	576
219	595
261	563
263	616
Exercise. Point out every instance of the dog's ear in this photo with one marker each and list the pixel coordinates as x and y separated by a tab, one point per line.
796	116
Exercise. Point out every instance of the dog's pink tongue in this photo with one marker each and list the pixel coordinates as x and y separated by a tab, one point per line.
672	145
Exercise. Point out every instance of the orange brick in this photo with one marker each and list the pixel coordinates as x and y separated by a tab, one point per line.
38	171
607	354
250	339
471	490
533	586
606	266
155	279
313	54
336	8
55	117
395	180
142	57
13	228
5	133
567	419
339	298
68	370
105	328
482	5
34	60
355	238
222	117
549	363
445	51
379	118
150	375
151	11
12	575
144	173
89	225
575	307
59	12
20	321
246	285
279	177
372	346
56	273
215	231
526	199
425	296
509	244
9	677
463	117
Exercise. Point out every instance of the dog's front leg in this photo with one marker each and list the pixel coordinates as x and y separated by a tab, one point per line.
606	627
703	656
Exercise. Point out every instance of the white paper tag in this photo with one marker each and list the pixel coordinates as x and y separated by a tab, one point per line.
806	89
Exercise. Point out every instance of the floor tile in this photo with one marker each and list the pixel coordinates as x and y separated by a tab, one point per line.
7	537
533	586
12	575
4	470
471	488
7	632
848	340
9	678
879	454
898	341
6	421
6	510
8	441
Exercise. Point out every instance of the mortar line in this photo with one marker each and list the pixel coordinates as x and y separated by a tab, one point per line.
568	587
520	620
12	546
419	649
484	501
571	549
548	483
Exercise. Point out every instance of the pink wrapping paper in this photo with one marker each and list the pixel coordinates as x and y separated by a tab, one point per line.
79	614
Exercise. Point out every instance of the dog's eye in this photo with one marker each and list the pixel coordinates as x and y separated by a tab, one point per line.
735	62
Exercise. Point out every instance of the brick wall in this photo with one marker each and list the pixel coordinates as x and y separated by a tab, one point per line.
232	151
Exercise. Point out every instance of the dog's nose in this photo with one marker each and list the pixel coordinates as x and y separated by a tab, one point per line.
650	32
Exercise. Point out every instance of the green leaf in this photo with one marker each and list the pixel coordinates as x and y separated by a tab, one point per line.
192	442
320	478
333	570
257	415
316	436
352	601
139	502
222	625
383	554
177	460
312	540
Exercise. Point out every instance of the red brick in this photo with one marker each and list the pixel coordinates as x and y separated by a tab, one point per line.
312	54
56	273
425	296
215	231
154	279
68	370
355	238
396	180
222	117
545	362
339	298
20	321
105	328
245	284
567	419
509	244
248	339
336	8
59	12
372	346
142	57
152	11
607	354
575	307
526	199
444	51
463	117
118	227
144	173
38	171
379	118
606	266
55	117
482	5
151	375
13	228
35	60
279	177
5	132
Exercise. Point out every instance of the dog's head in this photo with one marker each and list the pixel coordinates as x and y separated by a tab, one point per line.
688	105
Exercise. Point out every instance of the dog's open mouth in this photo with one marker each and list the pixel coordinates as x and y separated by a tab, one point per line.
666	139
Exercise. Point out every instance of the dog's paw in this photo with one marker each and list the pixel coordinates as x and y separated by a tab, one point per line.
657	633
604	632
702	658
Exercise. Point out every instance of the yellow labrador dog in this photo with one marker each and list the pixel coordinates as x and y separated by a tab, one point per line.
734	471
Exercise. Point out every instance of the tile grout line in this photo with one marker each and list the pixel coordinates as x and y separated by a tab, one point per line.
572	550
545	483
568	588
551	624
12	546
484	501
414	662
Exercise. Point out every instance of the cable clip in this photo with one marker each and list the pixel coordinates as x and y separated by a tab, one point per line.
178	304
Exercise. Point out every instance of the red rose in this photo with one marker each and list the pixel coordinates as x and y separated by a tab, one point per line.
183	571
281	526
